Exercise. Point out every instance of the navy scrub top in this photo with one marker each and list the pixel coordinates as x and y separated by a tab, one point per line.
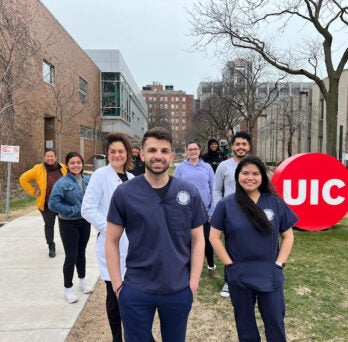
159	232
253	253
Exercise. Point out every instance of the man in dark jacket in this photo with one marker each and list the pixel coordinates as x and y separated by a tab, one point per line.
214	156
139	166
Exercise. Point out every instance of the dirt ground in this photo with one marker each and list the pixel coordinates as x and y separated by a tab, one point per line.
206	322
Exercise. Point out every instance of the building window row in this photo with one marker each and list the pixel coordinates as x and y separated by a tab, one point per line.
116	97
165	99
91	134
48	75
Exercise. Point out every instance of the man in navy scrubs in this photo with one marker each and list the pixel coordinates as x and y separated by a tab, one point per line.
163	218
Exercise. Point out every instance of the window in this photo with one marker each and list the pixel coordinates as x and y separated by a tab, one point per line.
91	134
83	89
48	72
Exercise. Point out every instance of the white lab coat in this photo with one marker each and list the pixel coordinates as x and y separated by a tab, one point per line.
95	207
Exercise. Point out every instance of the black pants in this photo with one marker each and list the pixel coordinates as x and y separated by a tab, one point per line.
75	235
49	218
113	313
209	252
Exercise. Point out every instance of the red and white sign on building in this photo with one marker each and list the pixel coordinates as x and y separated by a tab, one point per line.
9	153
315	186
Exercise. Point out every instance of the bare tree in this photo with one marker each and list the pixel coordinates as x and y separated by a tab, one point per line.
94	110
291	120
218	116
18	64
240	96
65	105
247	94
158	115
243	24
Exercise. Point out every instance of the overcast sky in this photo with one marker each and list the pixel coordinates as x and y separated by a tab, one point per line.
152	35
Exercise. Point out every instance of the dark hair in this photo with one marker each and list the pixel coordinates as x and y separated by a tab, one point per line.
123	138
159	133
71	155
198	144
242	135
194	142
50	150
254	213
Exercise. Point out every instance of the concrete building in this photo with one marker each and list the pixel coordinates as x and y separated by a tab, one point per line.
170	108
296	123
123	105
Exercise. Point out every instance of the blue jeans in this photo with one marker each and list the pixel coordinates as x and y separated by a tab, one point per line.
138	309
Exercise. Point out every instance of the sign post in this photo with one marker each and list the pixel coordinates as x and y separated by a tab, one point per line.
9	154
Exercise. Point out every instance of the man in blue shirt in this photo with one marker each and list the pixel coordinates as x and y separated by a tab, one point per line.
163	218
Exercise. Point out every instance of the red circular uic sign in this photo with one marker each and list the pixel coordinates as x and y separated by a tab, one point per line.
315	186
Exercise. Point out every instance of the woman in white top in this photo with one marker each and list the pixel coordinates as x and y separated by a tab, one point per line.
95	208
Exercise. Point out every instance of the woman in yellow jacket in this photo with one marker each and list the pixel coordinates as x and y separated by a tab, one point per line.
39	181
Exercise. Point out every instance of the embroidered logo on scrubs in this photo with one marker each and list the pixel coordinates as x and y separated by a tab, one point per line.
183	197
269	213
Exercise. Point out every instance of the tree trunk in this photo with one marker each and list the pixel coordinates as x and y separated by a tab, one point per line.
331	119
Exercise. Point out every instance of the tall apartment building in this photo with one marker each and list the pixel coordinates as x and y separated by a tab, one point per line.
170	108
52	97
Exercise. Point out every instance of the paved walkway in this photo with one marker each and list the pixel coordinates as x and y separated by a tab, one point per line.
32	303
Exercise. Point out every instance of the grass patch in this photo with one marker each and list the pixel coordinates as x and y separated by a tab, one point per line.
315	287
18	203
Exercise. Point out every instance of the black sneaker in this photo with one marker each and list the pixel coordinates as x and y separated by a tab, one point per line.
52	251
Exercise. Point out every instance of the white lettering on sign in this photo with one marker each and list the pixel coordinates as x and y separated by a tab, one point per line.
314	192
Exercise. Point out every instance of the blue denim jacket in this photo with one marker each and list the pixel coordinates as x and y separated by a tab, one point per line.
66	196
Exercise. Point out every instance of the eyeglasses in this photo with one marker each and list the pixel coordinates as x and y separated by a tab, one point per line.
193	149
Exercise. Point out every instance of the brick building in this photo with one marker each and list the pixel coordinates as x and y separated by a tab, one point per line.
170	108
52	95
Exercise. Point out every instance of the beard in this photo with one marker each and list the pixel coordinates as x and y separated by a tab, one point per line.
148	165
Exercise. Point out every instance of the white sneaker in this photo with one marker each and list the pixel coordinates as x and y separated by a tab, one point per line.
70	295
224	291
84	287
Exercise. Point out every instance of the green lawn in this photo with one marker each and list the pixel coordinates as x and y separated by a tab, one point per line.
316	278
16	203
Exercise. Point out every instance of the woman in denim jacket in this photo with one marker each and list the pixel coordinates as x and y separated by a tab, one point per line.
66	199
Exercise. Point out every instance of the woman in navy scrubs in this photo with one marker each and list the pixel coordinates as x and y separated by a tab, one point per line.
252	220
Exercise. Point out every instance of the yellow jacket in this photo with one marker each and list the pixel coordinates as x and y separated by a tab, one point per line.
37	174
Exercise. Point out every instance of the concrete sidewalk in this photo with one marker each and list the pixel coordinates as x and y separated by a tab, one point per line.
32	303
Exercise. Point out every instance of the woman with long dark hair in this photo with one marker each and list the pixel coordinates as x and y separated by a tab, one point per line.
252	220
65	199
